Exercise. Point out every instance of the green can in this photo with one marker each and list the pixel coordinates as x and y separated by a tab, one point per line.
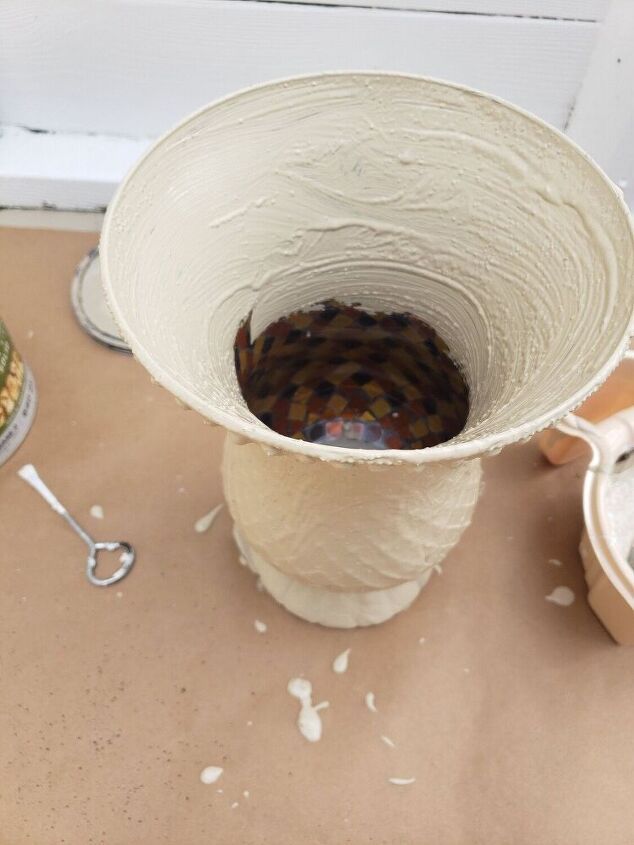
18	396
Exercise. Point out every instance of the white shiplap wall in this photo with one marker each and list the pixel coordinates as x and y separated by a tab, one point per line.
101	77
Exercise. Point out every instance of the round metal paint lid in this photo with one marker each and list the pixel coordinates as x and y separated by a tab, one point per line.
89	303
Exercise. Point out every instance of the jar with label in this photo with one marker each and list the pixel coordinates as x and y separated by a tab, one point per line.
18	397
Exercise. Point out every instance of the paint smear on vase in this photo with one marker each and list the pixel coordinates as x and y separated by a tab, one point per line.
402	781
96	511
309	720
340	663
260	627
389	742
563	596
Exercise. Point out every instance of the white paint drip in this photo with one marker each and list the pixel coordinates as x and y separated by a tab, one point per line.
340	663
562	596
260	627
234	805
96	511
402	781
246	793
210	774
554	561
205	522
309	720
389	742
369	702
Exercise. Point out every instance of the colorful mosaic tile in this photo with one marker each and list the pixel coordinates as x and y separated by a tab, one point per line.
337	374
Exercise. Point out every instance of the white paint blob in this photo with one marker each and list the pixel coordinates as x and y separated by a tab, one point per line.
210	774
234	805
205	522
369	702
96	511
309	720
402	781
422	640
389	742
562	596
125	558
260	627
246	793
554	561
340	663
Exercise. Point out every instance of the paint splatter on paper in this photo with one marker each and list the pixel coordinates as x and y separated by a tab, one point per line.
340	663
563	596
205	522
210	774
309	720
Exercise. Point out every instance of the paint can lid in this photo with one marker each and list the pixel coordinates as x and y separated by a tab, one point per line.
90	306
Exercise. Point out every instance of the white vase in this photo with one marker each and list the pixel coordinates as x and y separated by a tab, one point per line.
405	195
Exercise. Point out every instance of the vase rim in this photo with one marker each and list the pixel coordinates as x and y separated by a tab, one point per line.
258	432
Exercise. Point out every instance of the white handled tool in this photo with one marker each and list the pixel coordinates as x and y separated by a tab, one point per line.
30	475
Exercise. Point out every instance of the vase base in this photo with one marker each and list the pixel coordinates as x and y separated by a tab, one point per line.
329	607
